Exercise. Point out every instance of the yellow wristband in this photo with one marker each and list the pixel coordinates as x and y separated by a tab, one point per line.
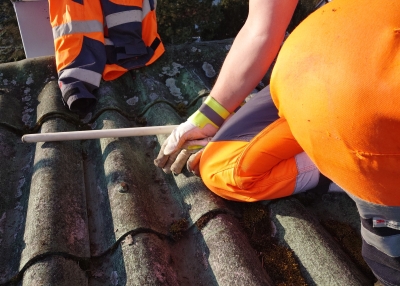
210	112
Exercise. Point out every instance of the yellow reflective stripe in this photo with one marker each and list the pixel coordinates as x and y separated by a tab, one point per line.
87	76
74	27
218	108
194	147
200	120
210	112
120	18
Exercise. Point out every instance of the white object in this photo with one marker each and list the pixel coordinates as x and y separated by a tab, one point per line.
34	27
308	174
96	134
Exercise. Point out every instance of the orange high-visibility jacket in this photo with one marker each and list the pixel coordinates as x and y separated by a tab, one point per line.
337	83
101	39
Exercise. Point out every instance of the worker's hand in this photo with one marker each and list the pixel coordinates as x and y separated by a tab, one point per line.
189	154
203	124
193	163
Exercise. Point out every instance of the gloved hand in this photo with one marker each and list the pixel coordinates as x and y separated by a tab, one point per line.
202	124
193	163
188	154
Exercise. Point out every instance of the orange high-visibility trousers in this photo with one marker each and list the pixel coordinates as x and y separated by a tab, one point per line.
337	83
253	156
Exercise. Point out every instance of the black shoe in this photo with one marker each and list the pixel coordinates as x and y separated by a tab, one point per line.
79	100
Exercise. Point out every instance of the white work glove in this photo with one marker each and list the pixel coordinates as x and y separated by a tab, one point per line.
189	154
183	143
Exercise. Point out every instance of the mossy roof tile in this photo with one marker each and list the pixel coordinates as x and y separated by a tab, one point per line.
323	260
98	212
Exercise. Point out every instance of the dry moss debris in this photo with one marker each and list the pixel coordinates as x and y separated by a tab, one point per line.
278	261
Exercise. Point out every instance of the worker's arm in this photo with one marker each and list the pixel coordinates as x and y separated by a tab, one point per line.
253	51
251	54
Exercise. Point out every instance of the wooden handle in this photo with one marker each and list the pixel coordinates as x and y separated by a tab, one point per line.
96	134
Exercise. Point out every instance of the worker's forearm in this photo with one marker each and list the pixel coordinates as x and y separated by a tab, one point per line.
253	51
243	69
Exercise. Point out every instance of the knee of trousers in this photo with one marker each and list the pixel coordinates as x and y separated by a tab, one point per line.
221	173
217	168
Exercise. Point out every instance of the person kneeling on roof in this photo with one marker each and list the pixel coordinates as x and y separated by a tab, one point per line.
330	112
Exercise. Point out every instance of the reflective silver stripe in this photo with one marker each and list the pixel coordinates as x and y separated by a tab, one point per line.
77	27
146	8
369	210
386	244
322	3
307	173
108	42
333	187
123	18
88	76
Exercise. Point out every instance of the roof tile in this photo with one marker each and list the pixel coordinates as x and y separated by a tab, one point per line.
323	260
98	212
56	218
55	270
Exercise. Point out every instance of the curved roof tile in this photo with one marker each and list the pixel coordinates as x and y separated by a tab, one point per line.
98	212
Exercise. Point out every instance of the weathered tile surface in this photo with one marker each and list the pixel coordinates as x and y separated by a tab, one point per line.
98	212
